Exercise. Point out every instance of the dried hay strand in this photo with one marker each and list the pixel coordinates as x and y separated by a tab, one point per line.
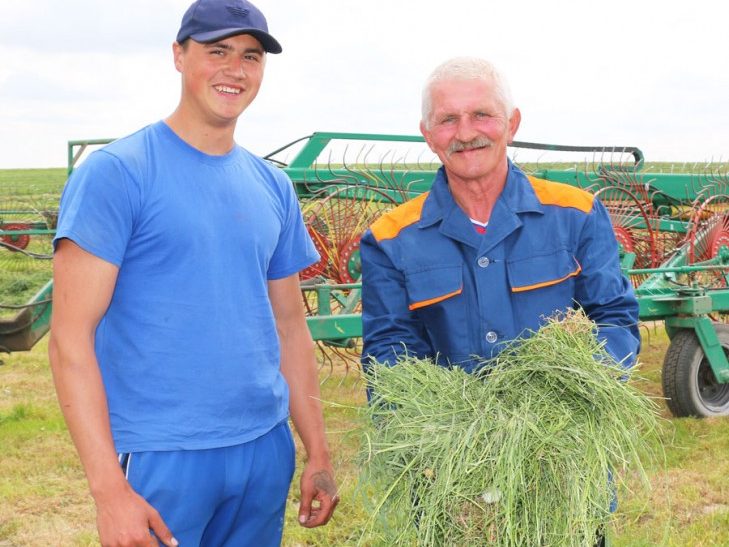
528	451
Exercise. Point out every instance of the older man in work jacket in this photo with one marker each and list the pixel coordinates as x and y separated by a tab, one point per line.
488	253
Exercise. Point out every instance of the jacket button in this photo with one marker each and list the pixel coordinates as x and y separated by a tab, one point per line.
491	337
483	261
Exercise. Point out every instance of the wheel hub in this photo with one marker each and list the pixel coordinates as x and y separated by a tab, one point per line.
718	238
350	264
712	392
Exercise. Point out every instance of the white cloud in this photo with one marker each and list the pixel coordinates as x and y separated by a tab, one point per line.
620	73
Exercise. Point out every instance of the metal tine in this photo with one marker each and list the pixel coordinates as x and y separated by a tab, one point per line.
385	177
319	190
378	180
398	186
422	166
350	176
357	158
388	177
326	360
430	165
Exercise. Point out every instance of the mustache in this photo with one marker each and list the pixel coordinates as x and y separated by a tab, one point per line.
478	142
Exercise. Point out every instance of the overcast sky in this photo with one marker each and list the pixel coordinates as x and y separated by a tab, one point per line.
627	73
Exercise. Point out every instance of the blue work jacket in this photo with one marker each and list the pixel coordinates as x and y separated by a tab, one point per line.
434	287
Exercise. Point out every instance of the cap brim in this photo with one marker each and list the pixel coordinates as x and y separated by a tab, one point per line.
269	43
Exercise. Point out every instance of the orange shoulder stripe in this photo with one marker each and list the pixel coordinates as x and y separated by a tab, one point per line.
562	195
390	224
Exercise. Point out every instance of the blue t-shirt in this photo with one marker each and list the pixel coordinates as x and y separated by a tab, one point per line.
188	348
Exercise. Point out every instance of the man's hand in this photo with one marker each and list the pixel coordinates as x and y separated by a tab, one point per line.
299	367
125	519
318	495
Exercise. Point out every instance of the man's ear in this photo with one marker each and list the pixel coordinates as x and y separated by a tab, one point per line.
177	54
514	122
426	133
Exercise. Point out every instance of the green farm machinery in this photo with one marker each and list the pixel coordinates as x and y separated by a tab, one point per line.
672	228
28	214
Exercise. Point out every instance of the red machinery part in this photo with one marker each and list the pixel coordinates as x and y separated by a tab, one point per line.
709	228
624	238
708	232
719	238
350	266
715	234
632	225
15	242
336	223
322	244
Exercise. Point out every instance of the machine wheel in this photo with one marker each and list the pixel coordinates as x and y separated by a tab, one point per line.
337	222
689	384
15	242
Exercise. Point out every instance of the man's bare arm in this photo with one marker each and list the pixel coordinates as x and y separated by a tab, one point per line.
298	365
83	285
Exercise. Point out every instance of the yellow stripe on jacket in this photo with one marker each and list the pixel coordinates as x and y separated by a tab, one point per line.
402	216
562	195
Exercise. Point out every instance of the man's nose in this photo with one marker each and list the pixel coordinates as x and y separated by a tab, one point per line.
235	67
465	130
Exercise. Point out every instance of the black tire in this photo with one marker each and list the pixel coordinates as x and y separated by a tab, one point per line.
689	384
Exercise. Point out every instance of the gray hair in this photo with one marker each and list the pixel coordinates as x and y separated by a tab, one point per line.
467	68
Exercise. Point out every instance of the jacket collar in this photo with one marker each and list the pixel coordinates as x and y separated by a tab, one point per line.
516	198
518	193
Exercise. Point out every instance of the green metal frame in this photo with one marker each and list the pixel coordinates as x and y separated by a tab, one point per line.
30	324
76	148
337	321
337	328
687	307
29	231
659	297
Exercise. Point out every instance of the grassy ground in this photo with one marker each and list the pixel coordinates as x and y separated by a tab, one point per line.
43	497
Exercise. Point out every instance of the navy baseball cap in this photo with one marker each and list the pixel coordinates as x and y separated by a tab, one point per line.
211	20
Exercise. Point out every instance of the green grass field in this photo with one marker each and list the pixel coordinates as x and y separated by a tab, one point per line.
44	499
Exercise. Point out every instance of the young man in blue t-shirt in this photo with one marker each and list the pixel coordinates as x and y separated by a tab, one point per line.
179	344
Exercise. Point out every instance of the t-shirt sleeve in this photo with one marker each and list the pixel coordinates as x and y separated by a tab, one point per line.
295	249
96	210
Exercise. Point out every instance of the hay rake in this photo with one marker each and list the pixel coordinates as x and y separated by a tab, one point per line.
672	228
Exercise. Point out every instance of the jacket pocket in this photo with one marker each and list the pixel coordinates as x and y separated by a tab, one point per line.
428	287
536	272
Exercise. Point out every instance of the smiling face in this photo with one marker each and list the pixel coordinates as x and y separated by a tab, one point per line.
220	79
468	129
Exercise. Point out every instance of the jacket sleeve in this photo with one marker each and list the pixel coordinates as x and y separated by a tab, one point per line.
603	291
389	328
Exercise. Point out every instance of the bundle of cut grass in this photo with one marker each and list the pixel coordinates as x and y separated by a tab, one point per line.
526	452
